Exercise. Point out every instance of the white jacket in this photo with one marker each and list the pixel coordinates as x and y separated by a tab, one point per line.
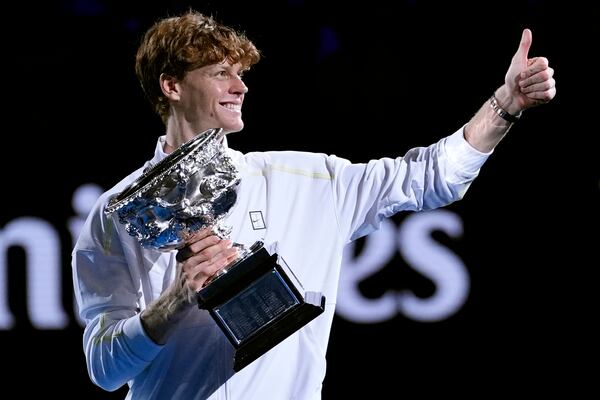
311	205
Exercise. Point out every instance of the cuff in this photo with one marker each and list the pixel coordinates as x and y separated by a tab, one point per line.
464	157
139	342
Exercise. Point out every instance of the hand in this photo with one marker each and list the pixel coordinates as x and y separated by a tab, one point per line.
202	257
529	81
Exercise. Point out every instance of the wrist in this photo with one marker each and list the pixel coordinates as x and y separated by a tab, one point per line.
162	316
507	102
501	111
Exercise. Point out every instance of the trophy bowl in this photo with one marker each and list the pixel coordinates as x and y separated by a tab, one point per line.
192	188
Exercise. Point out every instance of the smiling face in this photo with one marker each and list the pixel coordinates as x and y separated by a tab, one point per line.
175	50
211	97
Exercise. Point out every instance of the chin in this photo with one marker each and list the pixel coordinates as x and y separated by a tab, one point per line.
233	128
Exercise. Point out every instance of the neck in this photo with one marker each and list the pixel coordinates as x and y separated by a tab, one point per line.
178	133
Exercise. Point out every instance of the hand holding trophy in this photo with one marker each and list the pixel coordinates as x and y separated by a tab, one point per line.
256	300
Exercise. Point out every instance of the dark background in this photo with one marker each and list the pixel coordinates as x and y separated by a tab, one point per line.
360	81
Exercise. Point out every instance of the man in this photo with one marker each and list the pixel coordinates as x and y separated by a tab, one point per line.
143	326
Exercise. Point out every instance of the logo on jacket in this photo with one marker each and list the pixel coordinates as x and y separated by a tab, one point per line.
258	222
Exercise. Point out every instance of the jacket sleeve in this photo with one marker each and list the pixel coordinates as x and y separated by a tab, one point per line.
425	178
115	344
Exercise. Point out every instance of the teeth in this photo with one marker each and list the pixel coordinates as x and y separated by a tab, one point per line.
231	106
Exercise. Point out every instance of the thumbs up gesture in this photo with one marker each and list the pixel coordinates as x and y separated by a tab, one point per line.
529	81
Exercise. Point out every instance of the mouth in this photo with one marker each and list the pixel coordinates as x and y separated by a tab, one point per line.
233	107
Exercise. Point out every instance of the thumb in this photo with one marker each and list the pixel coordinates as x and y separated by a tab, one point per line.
524	46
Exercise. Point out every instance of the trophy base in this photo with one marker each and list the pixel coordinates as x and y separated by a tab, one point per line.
257	305
278	330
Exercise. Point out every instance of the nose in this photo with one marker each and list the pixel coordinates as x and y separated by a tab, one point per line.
238	86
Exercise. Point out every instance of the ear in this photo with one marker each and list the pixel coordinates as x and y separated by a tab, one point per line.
170	86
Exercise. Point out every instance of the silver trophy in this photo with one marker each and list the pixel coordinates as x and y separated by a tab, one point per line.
191	189
256	300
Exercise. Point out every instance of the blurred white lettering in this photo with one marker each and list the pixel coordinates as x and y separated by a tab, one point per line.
41	244
436	262
413	239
